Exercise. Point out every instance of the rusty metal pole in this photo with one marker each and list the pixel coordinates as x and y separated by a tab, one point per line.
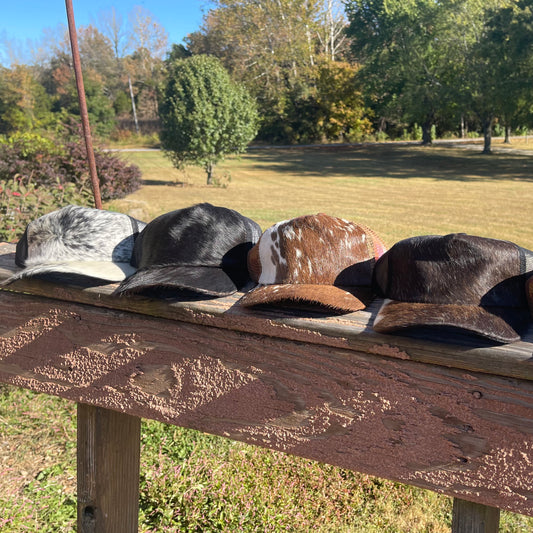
83	104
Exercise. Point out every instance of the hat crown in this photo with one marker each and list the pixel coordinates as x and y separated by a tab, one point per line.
202	248
200	235
78	233
452	269
315	249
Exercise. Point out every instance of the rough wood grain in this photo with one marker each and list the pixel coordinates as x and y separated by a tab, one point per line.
345	331
463	433
108	470
469	517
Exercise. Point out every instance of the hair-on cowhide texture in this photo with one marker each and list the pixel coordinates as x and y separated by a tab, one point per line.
202	248
315	249
309	257
75	233
453	280
78	233
454	269
529	293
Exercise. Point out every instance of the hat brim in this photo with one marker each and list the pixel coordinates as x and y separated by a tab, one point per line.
329	296
95	270
500	324
204	280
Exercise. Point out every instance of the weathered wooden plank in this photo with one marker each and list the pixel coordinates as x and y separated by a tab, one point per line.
466	434
345	331
108	470
469	517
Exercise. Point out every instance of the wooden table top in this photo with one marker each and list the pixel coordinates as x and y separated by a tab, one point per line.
349	331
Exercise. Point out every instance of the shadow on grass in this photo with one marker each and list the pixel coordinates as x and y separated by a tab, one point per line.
168	183
401	162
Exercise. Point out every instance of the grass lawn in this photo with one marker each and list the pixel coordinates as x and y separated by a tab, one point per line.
398	191
196	482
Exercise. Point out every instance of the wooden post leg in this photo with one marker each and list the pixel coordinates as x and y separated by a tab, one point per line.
469	517
108	471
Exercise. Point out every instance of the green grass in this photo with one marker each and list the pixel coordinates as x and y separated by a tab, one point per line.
194	482
37	462
398	191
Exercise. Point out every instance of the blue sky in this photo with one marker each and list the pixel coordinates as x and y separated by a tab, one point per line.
21	20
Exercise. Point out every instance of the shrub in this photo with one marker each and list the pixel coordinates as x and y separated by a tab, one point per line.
205	115
30	157
38	175
43	162
21	202
116	177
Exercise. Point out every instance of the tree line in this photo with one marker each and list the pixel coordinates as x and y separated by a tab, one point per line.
319	70
446	62
122	61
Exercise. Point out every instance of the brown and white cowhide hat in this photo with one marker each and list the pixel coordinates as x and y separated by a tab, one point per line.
79	245
474	284
314	259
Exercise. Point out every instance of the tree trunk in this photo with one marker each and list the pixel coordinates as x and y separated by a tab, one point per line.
487	134
463	127
507	135
133	106
426	133
209	171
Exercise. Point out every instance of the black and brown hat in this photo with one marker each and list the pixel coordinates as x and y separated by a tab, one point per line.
459	281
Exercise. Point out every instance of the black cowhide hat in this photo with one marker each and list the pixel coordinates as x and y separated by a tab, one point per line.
79	245
458	281
202	248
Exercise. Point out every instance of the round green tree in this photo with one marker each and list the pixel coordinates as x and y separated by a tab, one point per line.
205	115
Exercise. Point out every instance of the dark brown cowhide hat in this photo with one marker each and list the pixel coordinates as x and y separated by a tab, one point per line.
457	281
314	259
529	293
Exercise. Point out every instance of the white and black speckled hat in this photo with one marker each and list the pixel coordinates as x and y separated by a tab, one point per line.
79	245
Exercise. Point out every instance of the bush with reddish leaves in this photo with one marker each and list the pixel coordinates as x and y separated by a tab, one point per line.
38	175
43	162
116	177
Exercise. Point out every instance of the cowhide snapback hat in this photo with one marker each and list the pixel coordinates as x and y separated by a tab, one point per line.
314	259
529	293
458	281
202	248
78	244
